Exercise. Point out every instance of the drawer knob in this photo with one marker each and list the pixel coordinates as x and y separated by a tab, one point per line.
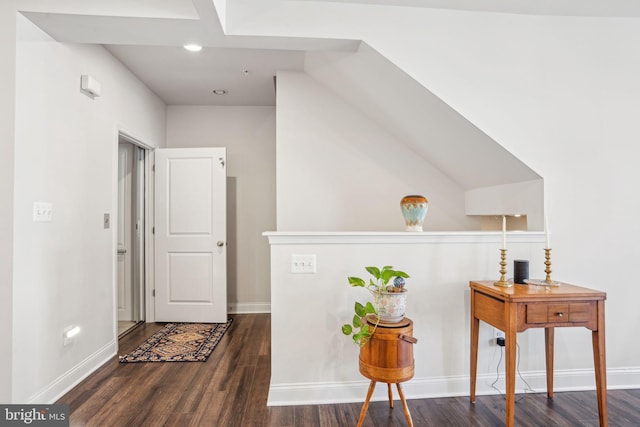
560	314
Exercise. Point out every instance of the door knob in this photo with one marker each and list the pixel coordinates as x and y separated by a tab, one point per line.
220	243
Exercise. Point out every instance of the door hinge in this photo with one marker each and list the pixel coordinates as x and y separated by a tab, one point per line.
153	168
153	293
153	230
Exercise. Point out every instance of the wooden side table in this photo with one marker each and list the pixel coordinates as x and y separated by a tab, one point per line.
388	357
521	307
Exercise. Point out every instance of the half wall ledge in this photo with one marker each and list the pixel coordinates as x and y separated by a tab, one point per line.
377	237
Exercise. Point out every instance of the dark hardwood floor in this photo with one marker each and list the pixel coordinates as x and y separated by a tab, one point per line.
231	388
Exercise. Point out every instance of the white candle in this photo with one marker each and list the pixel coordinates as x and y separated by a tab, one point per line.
547	244
504	232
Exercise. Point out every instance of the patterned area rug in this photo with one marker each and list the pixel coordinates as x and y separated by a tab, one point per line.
179	342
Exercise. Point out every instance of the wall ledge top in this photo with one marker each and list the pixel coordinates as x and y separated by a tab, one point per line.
377	237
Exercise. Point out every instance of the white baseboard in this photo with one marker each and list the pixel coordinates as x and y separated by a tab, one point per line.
65	382
422	388
249	307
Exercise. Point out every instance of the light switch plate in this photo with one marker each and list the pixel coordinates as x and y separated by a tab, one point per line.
303	263
42	212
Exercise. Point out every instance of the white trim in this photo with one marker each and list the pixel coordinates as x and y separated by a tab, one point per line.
149	223
332	238
68	380
249	307
623	378
149	282
423	388
130	137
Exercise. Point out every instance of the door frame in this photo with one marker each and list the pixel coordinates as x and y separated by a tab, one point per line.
146	301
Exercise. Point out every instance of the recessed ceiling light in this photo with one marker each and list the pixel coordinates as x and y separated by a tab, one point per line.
193	47
220	91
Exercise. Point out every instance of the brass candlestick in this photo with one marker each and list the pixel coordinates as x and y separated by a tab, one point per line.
503	270
547	263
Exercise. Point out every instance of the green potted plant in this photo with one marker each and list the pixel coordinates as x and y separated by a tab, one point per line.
389	301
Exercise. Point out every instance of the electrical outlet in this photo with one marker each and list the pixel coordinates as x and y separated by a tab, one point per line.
497	336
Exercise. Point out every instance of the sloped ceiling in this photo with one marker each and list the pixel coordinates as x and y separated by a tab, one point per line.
426	124
147	35
140	32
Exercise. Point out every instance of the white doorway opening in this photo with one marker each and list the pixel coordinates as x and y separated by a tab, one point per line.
131	233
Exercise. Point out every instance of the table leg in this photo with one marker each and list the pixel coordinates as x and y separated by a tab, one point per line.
407	414
475	327
365	406
390	395
600	362
510	375
548	352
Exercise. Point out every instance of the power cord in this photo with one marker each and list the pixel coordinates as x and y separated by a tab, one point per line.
528	388
493	384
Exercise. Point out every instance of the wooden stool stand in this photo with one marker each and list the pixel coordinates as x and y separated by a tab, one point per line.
365	407
388	357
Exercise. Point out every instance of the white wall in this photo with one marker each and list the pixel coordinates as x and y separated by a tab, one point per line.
559	93
7	144
66	146
416	117
435	132
309	309
249	135
523	198
338	170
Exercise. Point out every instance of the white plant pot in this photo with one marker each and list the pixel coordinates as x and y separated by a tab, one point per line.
392	306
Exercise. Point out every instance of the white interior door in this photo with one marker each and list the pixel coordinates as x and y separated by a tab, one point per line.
190	235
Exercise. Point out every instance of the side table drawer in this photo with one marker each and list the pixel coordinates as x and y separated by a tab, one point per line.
575	312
